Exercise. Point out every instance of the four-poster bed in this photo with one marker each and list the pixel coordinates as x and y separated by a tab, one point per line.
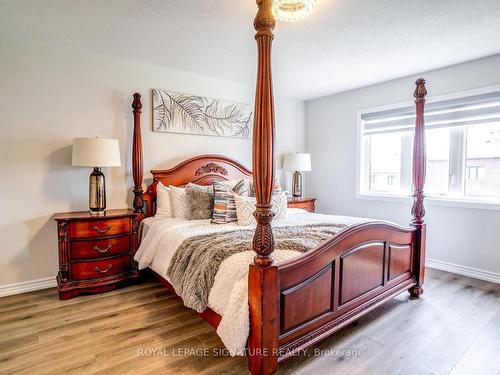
296	303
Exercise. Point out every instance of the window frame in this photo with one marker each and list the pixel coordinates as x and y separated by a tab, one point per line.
457	145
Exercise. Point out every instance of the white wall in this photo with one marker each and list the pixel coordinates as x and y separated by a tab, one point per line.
463	236
50	96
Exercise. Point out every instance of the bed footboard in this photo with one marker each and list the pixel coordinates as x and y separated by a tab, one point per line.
347	276
327	288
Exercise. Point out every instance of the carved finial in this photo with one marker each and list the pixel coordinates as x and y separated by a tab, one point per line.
136	104
420	90
264	20
263	239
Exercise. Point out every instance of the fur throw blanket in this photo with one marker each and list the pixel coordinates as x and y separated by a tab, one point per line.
196	262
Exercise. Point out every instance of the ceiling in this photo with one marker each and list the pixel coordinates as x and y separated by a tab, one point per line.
345	44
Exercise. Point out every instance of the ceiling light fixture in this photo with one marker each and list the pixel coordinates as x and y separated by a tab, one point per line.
292	10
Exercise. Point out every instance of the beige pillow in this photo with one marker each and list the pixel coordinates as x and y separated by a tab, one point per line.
179	202
163	202
245	207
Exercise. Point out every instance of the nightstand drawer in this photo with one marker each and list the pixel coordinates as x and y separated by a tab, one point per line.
100	268
304	206
307	204
100	248
96	228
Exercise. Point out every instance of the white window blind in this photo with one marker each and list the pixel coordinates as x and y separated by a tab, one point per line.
473	110
462	143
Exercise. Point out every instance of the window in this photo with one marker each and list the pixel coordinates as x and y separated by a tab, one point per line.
438	144
475	173
463	149
385	162
482	161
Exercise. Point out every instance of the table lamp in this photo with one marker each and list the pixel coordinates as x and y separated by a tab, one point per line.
96	153
298	162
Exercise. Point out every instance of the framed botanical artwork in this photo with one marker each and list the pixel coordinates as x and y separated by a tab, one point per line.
190	114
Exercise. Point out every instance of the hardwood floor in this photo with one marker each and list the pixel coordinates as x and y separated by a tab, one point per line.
143	329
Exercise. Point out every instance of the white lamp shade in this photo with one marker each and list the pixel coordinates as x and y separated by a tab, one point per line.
297	162
96	152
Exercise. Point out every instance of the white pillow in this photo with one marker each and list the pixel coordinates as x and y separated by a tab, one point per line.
245	207
179	202
163	202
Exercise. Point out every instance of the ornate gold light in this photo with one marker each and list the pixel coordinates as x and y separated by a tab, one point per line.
292	10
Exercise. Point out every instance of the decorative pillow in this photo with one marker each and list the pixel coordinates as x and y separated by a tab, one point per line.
178	199
231	183
251	188
224	204
245	207
163	202
200	202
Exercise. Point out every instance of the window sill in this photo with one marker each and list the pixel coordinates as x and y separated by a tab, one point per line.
491	205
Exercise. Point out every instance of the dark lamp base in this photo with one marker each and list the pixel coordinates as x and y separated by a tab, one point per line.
97	192
296	185
97	213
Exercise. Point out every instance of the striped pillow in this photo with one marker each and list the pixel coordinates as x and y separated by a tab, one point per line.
224	203
251	188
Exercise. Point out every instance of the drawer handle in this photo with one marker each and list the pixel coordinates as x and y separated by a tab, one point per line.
97	269
103	251
102	231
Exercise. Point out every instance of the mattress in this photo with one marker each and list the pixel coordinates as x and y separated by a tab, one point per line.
228	296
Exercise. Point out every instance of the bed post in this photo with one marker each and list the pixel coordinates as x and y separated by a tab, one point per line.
263	288
419	170
137	169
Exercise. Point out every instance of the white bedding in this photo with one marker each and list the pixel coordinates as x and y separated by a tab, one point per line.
228	297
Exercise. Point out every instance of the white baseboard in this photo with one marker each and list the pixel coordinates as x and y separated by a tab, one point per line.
50	282
27	286
475	273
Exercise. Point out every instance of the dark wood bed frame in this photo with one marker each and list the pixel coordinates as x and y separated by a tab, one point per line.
297	303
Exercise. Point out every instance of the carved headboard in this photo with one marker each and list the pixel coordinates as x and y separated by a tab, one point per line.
201	170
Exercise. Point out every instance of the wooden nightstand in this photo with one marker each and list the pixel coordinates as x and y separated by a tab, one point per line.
96	252
307	204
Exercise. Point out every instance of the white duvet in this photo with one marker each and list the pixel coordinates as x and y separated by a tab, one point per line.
228	297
